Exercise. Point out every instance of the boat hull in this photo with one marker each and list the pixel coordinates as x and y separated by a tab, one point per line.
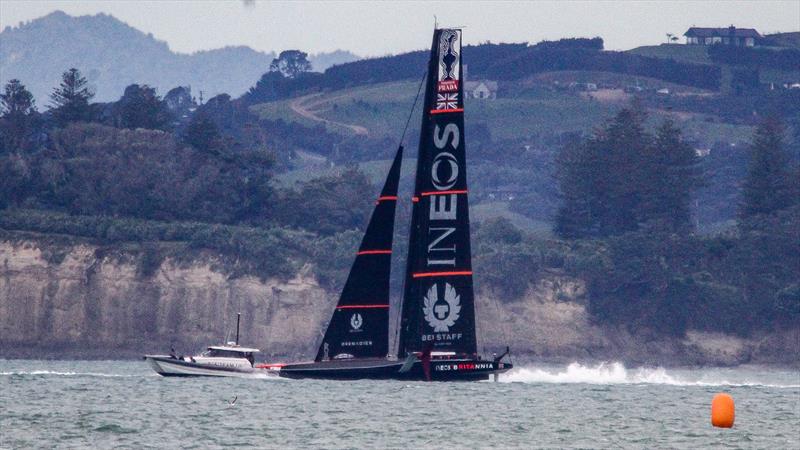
382	369
172	367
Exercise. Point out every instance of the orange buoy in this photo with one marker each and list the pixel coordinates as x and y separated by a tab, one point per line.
722	411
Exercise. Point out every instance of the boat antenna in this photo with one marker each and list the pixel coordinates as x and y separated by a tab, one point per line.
238	317
435	22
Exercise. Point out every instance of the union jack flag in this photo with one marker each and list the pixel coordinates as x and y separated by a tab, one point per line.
447	100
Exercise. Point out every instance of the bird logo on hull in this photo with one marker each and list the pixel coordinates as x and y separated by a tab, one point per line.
356	321
441	313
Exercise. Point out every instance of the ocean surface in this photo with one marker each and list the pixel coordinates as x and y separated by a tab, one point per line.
108	404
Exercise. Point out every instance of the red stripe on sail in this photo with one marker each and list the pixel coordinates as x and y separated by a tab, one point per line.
361	306
387	197
374	252
415	199
462	191
441	274
442	111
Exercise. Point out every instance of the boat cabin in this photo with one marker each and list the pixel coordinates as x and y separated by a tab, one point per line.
231	352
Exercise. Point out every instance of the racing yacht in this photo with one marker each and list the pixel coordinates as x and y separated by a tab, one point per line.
437	335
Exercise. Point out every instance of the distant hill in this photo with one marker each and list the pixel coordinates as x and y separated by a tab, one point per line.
113	55
321	61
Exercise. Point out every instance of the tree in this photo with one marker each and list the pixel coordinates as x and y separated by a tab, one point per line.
70	99
271	86
180	103
203	134
290	63
500	230
623	178
329	204
575	217
16	100
18	115
602	179
768	186
672	176
140	107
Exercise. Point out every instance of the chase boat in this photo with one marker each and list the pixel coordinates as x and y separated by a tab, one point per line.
228	360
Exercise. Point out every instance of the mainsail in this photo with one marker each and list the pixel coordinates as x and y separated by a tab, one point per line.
438	305
359	327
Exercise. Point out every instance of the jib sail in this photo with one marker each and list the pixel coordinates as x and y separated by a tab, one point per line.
360	323
438	304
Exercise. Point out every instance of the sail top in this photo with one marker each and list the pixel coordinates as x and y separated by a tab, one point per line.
359	326
438	301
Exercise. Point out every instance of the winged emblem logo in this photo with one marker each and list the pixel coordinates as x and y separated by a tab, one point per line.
356	321
441	314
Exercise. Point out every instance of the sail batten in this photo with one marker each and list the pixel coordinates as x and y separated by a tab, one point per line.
359	326
438	301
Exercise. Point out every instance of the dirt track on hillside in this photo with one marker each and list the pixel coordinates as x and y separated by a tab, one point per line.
306	106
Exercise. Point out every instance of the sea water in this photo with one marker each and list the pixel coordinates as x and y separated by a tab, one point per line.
90	404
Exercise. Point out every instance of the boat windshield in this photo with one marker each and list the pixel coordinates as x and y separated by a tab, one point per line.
217	353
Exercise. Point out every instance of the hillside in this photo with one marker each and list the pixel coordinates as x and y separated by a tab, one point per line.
114	55
678	52
512	138
536	108
120	219
699	54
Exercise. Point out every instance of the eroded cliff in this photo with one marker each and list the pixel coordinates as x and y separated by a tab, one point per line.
79	299
89	301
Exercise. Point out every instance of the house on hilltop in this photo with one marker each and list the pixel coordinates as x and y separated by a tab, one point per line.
480	89
739	37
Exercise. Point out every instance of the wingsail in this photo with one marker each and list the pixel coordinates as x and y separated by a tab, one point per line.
438	301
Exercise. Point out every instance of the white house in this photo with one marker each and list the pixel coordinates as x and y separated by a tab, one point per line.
480	89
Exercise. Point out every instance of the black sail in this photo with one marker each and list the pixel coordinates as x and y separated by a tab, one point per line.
359	326
438	301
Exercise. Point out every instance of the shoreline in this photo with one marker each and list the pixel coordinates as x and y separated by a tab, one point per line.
519	359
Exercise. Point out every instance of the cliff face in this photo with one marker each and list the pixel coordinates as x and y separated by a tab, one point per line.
81	300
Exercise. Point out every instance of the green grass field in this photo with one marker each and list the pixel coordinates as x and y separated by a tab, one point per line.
490	210
678	52
383	110
374	170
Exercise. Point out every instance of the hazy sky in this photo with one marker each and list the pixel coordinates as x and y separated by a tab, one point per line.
379	28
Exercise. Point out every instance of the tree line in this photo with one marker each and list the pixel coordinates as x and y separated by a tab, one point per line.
155	158
494	61
626	208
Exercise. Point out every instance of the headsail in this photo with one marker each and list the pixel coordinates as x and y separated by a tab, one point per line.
360	323
438	303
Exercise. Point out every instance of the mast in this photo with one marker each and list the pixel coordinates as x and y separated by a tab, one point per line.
359	326
238	317
438	301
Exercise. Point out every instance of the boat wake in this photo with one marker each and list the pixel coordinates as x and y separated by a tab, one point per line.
55	373
72	374
617	373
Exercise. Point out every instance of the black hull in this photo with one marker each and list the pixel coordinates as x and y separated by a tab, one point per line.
382	369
